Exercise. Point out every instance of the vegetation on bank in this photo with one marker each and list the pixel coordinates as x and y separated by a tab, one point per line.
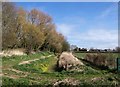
103	60
42	73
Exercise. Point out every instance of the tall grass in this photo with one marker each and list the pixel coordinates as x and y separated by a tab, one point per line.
103	60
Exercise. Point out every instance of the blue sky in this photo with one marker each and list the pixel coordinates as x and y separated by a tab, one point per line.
85	24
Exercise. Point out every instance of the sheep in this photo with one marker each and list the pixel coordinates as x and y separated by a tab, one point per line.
67	60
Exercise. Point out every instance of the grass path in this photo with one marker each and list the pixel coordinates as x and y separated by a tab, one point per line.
29	61
10	72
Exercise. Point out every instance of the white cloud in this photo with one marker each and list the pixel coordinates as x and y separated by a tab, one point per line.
98	38
97	35
65	29
109	11
69	26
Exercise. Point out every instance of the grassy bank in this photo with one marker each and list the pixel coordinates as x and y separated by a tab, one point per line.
16	71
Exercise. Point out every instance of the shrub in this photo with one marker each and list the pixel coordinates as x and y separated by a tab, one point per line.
102	60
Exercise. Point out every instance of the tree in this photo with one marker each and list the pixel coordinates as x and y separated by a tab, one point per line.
8	25
33	30
53	41
32	38
0	26
65	46
117	49
72	47
39	18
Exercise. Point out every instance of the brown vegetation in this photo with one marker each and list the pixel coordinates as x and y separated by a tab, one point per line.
103	60
32	30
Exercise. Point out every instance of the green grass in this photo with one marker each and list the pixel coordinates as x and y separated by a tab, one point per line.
14	82
42	65
80	55
42	73
14	60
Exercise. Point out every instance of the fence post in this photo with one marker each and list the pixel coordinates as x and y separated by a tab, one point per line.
118	64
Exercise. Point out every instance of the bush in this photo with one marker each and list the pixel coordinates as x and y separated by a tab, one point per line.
102	60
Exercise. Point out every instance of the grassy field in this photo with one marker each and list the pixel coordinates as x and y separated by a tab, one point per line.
39	69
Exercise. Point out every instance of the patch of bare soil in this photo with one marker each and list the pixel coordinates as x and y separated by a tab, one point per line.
29	61
18	71
24	74
12	52
66	82
12	76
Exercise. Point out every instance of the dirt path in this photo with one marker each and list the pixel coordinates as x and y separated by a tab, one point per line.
15	76
18	71
29	61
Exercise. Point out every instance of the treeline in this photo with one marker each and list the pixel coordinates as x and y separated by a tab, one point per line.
92	50
32	30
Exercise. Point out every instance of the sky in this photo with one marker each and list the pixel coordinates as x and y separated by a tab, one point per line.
85	24
61	0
